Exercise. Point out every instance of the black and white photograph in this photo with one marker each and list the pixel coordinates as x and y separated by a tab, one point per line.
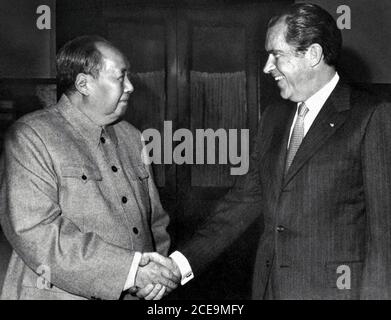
184	150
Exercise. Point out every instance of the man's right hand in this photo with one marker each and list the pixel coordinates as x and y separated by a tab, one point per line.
153	279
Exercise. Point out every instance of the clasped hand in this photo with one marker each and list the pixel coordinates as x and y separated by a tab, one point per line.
156	276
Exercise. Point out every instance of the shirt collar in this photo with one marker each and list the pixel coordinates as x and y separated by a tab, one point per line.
317	100
110	132
83	124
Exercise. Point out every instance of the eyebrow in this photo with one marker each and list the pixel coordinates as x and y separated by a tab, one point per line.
123	71
274	51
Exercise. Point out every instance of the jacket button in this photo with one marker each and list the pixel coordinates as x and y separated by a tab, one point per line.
84	177
267	263
280	228
103	140
114	168
135	230
124	199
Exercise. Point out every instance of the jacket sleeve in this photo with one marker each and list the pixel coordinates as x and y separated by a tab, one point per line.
80	263
231	217
159	218
376	156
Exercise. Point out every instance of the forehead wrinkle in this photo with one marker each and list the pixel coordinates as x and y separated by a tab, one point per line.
107	65
276	40
113	66
112	58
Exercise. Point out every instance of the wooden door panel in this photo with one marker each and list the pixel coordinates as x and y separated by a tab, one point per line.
147	38
220	85
199	68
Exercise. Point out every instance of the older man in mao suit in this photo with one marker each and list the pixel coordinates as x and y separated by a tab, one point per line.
78	204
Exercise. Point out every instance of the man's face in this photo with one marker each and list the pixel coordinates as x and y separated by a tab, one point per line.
289	69
110	91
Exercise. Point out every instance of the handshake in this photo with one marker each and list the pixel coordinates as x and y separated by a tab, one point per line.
156	276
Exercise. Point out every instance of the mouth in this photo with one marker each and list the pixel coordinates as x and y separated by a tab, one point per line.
277	76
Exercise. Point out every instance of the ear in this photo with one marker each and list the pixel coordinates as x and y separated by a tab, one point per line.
81	84
315	54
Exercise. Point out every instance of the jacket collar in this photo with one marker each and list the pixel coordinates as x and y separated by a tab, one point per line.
91	132
332	115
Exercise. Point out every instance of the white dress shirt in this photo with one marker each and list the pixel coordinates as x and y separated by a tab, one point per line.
181	261
315	104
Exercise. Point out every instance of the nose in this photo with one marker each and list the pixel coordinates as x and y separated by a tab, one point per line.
128	88
269	65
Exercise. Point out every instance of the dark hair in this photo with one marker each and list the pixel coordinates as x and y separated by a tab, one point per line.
79	55
307	24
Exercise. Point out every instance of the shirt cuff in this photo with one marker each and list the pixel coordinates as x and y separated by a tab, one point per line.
183	265
130	281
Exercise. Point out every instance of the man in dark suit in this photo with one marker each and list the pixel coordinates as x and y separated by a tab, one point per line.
320	175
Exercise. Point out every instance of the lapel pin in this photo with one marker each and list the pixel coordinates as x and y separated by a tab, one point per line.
332	125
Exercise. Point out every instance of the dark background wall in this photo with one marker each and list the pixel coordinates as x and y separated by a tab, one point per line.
176	39
367	48
26	51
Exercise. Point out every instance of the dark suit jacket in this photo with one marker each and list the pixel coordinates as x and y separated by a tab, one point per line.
332	209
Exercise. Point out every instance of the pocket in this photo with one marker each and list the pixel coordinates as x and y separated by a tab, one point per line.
35	281
84	173
139	176
139	173
31	293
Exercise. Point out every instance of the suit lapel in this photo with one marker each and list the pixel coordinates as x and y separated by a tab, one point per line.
329	119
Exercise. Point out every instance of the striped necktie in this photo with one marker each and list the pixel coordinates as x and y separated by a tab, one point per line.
297	136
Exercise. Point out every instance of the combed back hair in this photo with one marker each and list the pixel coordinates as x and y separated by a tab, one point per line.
307	24
79	55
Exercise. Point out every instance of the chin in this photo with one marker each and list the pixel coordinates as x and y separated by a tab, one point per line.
289	96
284	95
121	109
